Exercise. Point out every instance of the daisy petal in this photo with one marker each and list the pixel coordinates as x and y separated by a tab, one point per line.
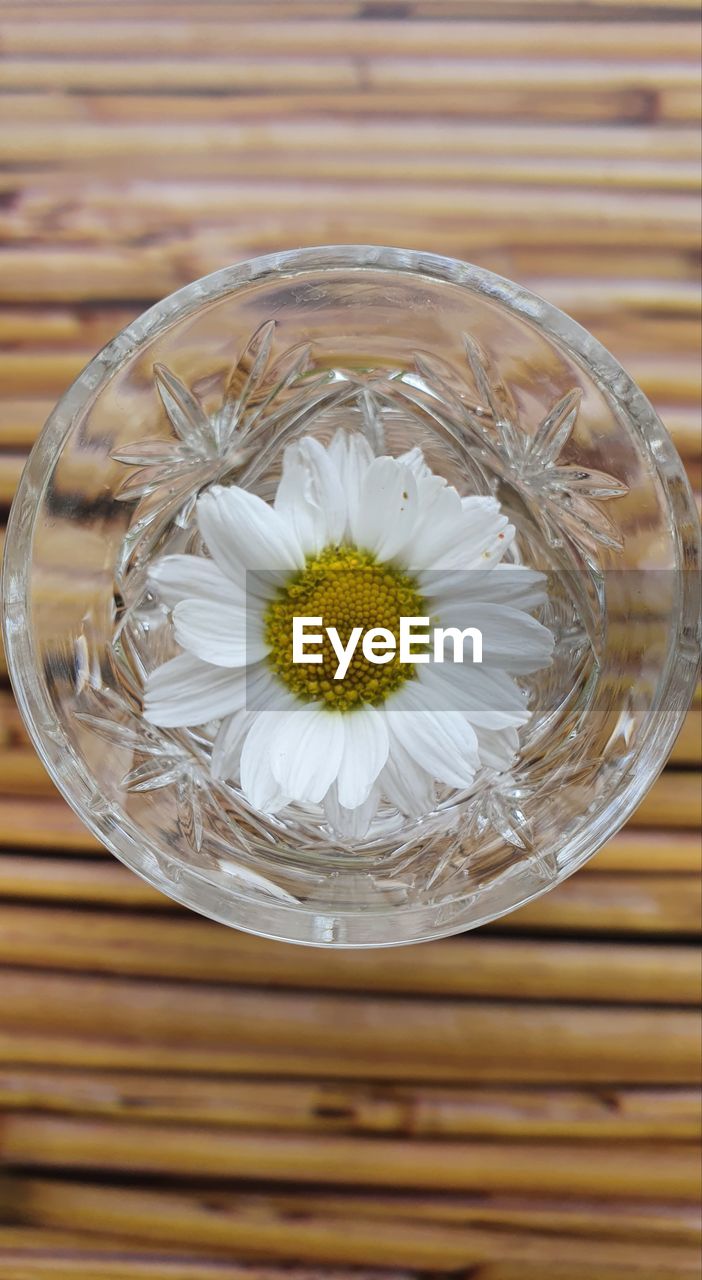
307	751
405	784
258	784
226	635
262	690
243	532
182	577
387	510
310	496
365	753
480	537
512	639
441	742
227	746
488	697
352	824
186	691
414	459
498	748
352	456
453	591
435	530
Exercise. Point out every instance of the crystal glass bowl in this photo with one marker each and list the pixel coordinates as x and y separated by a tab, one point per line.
505	395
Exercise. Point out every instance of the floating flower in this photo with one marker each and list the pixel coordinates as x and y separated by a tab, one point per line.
360	541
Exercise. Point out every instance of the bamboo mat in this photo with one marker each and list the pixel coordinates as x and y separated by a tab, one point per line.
181	1102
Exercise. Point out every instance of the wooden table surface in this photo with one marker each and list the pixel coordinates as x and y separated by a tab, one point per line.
182	1102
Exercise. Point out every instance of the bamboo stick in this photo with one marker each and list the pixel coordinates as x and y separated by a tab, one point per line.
341	164
69	275
688	746
73	1265
218	1223
420	135
651	335
40	371
336	164
675	800
610	300
685	428
443	8
19	1047
476	966
638	850
323	1107
452	39
163	205
642	904
12	727
44	824
184	149
213	10
55	326
642	1171
83	880
675	1222
325	9
32	1049
106	1257
628	269
445	1040
666	377
253	95
233	69
22	1241
579	1271
21	770
11	468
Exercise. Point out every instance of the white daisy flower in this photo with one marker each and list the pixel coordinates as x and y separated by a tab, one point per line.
360	541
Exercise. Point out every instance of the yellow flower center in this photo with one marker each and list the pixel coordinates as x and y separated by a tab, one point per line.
346	588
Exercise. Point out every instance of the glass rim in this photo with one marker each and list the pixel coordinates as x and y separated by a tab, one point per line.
127	842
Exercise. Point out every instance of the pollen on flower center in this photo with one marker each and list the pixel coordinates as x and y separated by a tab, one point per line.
347	588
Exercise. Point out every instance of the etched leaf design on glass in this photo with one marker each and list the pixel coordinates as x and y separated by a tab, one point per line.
493	397
166	475
158	760
566	498
499	810
189	419
170	463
